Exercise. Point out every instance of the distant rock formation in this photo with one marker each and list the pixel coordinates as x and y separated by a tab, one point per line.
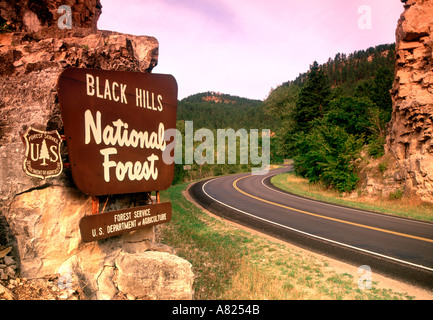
216	97
410	136
40	218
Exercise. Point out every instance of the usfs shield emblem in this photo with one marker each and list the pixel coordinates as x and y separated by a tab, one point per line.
43	159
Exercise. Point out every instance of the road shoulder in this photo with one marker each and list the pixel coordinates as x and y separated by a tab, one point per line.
383	282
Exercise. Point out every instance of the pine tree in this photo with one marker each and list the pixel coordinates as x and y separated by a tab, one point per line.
382	85
313	99
44	153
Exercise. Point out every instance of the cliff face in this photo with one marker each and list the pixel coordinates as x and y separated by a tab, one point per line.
40	218
42	15
410	138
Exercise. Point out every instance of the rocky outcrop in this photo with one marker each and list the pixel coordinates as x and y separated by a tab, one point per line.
43	15
40	218
410	136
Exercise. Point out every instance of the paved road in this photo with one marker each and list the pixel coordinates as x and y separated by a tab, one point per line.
398	247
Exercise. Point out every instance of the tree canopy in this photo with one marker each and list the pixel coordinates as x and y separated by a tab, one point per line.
322	119
328	114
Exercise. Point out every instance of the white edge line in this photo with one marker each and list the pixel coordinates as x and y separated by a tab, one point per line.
344	207
312	235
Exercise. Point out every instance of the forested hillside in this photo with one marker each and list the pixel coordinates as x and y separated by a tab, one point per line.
214	110
322	119
333	112
347	71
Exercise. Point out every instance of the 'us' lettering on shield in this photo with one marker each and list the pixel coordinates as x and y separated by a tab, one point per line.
43	159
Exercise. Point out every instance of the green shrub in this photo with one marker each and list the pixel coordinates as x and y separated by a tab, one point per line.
328	154
383	166
376	146
4	27
397	195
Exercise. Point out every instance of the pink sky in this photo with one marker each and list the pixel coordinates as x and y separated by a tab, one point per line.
247	47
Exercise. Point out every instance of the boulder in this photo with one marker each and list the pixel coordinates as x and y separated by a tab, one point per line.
164	276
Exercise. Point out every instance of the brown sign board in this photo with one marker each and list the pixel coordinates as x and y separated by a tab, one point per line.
114	124
110	224
43	159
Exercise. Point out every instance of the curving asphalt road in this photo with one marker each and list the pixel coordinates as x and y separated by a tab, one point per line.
398	247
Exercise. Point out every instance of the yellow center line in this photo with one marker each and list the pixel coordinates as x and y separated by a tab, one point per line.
328	218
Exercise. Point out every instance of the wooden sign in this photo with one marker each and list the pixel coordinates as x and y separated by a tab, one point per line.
114	125
110	224
43	159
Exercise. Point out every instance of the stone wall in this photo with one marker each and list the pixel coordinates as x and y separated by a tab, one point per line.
40	218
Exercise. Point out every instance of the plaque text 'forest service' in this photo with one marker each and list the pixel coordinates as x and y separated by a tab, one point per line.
43	159
114	125
110	224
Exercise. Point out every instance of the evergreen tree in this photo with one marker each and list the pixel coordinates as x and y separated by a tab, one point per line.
280	105
44	153
381	87
350	113
313	99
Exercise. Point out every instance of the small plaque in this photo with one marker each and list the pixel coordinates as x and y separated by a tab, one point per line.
110	224
43	159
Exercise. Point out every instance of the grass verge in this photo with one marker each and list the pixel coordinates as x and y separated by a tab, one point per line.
404	207
233	264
